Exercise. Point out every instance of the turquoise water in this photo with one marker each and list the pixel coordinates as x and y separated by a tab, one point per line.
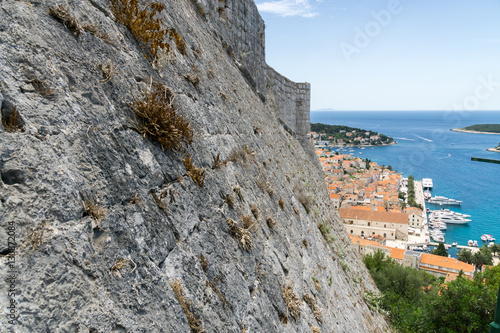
427	148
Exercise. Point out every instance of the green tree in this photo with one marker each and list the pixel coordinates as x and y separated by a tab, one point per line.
495	248
440	251
465	255
479	259
377	260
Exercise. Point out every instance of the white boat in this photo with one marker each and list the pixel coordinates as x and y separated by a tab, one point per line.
454	244
451	219
427	183
470	243
437	238
443	201
475	243
487	238
443	211
427	194
438	225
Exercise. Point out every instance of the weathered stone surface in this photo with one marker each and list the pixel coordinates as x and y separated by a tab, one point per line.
77	273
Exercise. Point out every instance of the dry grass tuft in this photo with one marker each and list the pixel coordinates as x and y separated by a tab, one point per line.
229	199
121	264
283	319
282	204
92	207
292	301
36	235
11	122
242	236
248	222
296	210
136	200
315	329
43	88
239	192
265	186
316	310
305	243
213	285
160	120
203	263
270	222
238	155
194	323
255	211
194	79
218	163
61	13
305	201
196	174
108	71
147	30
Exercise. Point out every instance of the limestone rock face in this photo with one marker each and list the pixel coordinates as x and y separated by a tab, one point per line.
112	234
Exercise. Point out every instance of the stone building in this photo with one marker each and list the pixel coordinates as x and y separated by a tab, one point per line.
366	223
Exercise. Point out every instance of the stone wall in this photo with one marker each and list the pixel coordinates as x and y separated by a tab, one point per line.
116	234
242	32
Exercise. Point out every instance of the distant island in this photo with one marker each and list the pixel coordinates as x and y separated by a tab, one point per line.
340	136
480	128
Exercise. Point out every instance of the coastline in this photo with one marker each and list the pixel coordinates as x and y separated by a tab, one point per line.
362	146
469	131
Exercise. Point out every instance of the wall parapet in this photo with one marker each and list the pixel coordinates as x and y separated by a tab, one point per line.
242	32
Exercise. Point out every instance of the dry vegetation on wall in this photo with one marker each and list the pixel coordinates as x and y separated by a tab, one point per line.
241	235
292	301
160	120
147	29
196	174
11	122
194	323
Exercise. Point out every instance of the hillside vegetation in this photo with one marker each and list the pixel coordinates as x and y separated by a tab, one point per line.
350	135
490	128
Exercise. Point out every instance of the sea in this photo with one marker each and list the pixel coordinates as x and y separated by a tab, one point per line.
427	148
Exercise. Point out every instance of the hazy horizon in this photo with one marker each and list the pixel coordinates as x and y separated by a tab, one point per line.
388	55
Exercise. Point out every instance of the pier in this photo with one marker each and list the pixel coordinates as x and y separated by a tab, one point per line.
487	160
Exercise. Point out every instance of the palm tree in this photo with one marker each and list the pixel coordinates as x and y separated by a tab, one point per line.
479	259
465	256
495	248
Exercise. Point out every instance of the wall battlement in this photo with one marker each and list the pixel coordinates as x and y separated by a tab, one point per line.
242	31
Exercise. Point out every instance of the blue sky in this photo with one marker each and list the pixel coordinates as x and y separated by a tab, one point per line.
388	55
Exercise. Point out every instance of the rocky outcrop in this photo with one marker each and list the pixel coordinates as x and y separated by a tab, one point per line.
112	232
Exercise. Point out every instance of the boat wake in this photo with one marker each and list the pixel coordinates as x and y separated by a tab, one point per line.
421	137
406	139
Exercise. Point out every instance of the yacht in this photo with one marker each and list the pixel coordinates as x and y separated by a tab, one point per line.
451	219
437	238
439	200
454	243
443	211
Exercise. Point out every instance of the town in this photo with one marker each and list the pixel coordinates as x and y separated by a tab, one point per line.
383	211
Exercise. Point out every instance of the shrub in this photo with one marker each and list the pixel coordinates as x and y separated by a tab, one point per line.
160	120
147	29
